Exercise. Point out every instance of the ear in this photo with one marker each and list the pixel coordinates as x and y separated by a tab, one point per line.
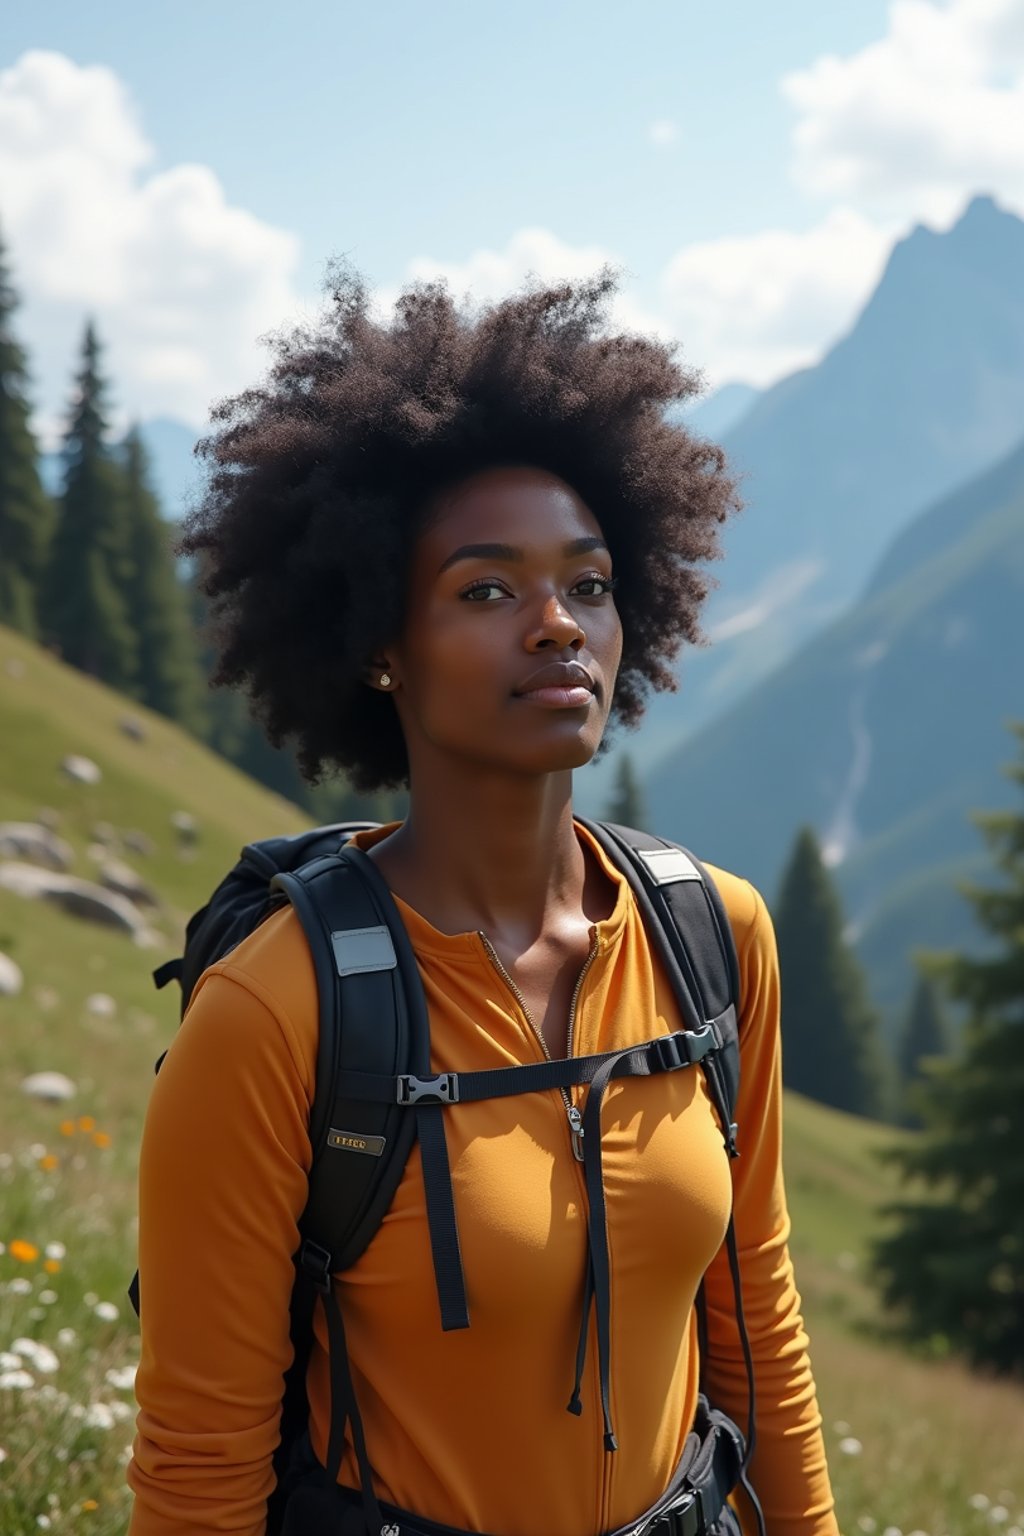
380	675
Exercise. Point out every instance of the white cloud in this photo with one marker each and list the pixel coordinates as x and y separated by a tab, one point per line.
180	283
488	274
663	132
755	307
917	121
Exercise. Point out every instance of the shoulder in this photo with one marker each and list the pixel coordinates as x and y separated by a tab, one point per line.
746	909
264	990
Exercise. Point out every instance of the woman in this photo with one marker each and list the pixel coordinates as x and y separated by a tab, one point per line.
447	551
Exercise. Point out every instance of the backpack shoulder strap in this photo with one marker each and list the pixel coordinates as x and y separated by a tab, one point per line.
686	919
373	1018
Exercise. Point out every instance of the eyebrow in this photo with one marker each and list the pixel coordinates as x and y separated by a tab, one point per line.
512	554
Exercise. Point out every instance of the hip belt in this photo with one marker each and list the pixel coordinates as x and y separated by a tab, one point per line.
694	1504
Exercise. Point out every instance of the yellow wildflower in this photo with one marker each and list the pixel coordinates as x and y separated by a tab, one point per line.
100	1139
49	1162
87	1123
26	1253
52	1266
89	1504
68	1127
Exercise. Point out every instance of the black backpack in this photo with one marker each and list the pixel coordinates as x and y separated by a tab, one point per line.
375	1093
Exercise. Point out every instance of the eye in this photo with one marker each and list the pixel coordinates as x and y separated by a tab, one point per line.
483	592
594	585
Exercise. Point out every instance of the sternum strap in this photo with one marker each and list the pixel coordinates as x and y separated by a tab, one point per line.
428	1097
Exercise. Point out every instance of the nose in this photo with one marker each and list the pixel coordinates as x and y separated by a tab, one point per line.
557	629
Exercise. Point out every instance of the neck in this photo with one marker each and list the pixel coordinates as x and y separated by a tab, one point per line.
482	851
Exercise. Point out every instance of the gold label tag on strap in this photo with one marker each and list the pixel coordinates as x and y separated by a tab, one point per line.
355	1141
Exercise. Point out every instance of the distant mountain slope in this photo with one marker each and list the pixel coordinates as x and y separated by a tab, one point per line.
722	410
883	732
924	393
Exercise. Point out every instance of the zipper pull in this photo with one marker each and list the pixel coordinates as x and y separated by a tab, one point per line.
576	1132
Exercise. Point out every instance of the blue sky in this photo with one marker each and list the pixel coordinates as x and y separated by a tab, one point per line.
184	172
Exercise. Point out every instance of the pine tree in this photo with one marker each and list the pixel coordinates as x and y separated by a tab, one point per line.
168	677
923	1039
84	608
953	1266
829	1027
26	514
626	806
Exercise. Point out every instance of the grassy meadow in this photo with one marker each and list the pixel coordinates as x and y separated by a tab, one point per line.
915	1445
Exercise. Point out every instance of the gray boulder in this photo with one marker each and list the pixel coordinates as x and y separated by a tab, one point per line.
31	840
80	898
51	1087
11	979
81	770
119	877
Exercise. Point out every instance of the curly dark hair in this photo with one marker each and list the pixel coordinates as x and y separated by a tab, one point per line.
319	479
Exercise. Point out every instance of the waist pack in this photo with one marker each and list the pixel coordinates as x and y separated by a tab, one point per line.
375	1092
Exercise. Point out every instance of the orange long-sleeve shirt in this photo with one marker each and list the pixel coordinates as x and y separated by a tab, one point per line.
469	1428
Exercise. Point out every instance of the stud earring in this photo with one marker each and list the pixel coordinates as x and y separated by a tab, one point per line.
385	679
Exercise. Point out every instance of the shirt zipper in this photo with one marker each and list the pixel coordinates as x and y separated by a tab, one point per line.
573	1115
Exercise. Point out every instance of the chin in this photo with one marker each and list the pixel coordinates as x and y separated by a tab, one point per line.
559	757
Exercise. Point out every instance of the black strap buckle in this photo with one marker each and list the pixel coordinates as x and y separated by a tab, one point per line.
316	1264
442	1089
684	1048
689	1519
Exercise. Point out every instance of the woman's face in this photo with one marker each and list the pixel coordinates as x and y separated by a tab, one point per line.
512	640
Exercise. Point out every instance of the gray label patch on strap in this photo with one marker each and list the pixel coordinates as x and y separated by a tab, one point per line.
363	949
670	864
355	1141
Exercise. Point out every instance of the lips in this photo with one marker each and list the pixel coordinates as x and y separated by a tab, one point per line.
562	685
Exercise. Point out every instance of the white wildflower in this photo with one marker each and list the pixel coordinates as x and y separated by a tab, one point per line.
44	1521
841	1427
999	1514
56	1251
120	1411
122	1377
47	1298
850	1446
867	1523
90	1298
979	1501
40	1356
36	1151
3	1454
19	1286
106	1311
98	1416
892	1530
66	1336
15	1381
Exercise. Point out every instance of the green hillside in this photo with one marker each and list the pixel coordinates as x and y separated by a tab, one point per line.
930	1436
884	733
